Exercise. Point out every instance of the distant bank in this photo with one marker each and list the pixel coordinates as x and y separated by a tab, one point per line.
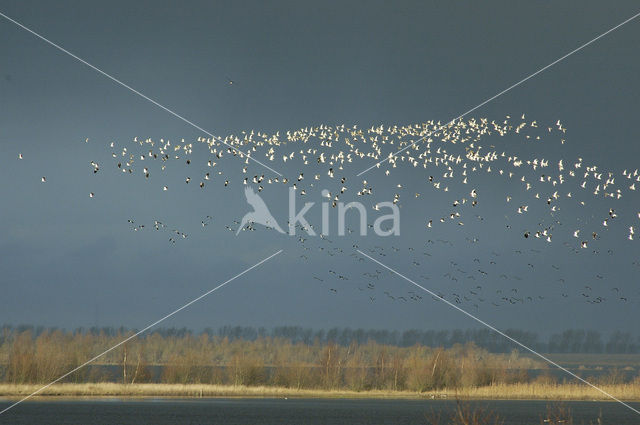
522	391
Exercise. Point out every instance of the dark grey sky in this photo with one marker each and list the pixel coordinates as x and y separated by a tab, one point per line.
68	260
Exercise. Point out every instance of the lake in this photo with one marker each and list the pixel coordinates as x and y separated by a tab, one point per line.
289	412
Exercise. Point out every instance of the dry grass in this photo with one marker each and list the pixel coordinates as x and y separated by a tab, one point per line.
189	390
538	391
629	392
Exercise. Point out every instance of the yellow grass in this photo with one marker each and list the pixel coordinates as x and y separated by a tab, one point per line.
537	391
629	392
188	390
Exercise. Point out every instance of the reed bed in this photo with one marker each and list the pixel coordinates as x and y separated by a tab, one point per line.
521	391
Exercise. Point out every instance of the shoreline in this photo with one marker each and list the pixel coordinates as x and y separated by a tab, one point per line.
103	391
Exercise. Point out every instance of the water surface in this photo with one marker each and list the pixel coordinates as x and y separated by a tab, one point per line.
240	411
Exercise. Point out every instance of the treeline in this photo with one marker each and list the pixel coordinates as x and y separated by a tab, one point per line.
177	356
27	357
568	341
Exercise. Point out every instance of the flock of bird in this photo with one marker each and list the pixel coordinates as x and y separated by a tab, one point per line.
471	280
411	161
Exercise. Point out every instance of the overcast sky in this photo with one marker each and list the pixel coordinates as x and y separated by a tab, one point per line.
70	260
